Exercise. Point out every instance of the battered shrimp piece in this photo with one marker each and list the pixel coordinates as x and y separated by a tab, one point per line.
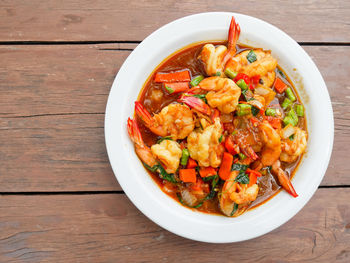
169	153
236	193
292	149
242	193
175	120
204	145
212	58
272	144
264	65
223	93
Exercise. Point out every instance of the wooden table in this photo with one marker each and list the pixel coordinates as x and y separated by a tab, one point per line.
59	199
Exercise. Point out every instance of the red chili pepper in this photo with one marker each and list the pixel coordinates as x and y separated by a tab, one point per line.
243	76
255	79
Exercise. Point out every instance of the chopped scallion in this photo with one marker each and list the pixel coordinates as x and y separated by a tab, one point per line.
231	74
288	120
286	103
299	110
294	116
270	112
195	81
241	83
290	95
291	118
243	109
185	156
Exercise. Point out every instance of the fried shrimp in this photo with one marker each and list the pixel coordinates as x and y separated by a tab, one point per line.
169	154
174	120
293	148
204	145
223	93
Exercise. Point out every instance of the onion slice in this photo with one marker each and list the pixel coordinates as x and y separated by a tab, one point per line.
288	131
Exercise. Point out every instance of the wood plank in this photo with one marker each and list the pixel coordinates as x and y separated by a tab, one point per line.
110	20
51	115
108	228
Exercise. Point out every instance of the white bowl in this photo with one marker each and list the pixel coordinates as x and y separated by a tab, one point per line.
145	193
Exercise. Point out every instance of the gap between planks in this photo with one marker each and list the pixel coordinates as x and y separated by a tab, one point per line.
114	192
34	42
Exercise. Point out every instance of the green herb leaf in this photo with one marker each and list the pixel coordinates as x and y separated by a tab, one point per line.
239	167
281	73
209	178
241	156
251	57
242	178
153	169
291	137
218	73
164	175
220	139
235	207
255	111
164	138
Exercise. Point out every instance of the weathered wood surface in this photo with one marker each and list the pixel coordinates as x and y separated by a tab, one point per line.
108	228
110	20
52	111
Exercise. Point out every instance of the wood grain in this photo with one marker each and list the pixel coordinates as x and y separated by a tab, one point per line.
108	228
110	20
52	109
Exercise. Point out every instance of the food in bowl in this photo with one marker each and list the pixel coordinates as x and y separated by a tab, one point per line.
220	127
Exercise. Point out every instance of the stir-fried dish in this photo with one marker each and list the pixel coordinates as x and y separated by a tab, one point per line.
220	127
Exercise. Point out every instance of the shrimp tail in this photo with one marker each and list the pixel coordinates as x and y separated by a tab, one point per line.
283	179
134	132
233	35
143	114
195	103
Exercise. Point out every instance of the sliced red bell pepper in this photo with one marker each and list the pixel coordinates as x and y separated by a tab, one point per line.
191	163
207	171
280	86
188	175
176	87
226	164
178	76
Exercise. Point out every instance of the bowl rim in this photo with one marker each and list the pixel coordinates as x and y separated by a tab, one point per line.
168	213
